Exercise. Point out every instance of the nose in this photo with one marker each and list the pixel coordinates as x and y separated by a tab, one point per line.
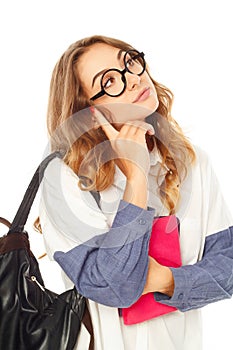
133	80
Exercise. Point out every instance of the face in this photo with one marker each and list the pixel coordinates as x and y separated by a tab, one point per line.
139	98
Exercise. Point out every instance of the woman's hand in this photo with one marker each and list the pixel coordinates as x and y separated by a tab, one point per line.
129	144
159	279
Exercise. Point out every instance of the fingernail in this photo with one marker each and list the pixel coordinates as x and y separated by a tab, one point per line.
151	132
92	109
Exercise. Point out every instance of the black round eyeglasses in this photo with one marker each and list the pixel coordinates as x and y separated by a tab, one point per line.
113	81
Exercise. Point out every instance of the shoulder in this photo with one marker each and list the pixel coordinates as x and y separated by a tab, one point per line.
203	163
202	156
65	206
57	168
200	173
61	182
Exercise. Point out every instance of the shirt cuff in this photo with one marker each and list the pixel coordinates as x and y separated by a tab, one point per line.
129	213
182	289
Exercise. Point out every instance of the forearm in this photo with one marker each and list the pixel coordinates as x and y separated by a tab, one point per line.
167	287
159	279
207	281
136	191
112	268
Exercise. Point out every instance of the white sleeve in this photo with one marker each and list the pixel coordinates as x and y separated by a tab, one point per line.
216	214
68	215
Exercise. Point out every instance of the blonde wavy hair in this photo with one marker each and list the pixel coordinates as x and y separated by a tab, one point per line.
67	98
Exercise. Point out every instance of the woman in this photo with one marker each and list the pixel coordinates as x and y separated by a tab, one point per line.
129	149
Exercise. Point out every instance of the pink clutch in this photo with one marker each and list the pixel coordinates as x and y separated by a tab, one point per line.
164	246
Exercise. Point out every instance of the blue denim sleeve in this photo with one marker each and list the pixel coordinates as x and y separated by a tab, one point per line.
111	268
207	281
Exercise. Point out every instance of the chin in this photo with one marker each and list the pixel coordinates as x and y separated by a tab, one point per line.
150	104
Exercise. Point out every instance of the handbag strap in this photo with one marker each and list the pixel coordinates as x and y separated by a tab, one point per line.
88	324
21	216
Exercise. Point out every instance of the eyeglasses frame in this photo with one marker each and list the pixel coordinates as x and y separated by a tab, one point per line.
122	72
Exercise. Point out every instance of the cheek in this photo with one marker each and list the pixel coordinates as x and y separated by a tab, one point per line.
154	94
153	102
85	90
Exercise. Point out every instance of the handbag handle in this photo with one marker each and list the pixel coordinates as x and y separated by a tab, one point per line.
5	222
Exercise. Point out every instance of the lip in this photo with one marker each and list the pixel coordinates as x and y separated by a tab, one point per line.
143	95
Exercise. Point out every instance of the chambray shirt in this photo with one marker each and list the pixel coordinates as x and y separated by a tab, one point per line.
104	252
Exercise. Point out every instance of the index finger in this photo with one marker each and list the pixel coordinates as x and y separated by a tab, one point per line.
110	131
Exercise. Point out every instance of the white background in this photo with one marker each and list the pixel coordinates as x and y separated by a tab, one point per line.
188	45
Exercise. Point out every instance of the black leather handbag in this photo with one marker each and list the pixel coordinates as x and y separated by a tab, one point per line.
31	316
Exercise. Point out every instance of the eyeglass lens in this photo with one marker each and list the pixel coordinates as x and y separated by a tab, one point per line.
113	81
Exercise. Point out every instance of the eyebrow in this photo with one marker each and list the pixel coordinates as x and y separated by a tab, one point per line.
104	70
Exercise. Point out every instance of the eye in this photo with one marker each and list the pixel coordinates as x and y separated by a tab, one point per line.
130	62
108	82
